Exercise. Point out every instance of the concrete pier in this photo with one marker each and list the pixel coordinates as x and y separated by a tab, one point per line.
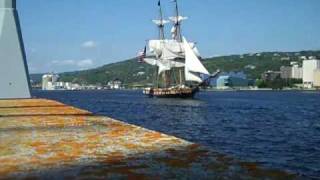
44	139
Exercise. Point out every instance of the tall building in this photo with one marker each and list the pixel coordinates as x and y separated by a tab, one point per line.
286	72
309	68
316	77
49	81
297	72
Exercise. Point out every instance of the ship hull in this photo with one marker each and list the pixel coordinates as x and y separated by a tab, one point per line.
171	92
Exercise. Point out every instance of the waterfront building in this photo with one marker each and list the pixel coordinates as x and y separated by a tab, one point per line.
49	81
292	63
303	57
270	75
115	84
285	59
316	77
225	82
286	72
309	68
297	72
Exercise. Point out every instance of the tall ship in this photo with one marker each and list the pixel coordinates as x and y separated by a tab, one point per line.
179	71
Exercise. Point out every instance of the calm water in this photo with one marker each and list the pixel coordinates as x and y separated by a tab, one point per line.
275	129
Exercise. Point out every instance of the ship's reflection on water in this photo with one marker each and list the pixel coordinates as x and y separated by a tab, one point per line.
276	129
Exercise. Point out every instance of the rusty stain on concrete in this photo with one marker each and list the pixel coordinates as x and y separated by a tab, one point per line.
45	139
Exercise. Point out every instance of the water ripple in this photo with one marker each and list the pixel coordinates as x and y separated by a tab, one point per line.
276	129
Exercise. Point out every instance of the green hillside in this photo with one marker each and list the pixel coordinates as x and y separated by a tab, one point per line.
133	73
129	71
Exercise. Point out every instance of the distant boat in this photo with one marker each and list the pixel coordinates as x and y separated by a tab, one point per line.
179	72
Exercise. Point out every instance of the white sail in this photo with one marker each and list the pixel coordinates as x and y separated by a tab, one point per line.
175	48
189	76
164	65
195	50
150	61
160	22
156	46
193	66
177	19
167	54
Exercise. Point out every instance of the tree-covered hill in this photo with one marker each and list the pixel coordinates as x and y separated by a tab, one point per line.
131	72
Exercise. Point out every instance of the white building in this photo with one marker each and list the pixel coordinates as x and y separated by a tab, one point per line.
49	81
309	68
116	84
316	78
297	72
286	72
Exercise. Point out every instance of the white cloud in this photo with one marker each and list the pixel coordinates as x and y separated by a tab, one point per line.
85	63
64	62
89	44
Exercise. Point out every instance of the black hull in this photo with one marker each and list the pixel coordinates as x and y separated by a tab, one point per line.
177	94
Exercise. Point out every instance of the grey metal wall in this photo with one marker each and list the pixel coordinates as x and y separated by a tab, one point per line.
14	81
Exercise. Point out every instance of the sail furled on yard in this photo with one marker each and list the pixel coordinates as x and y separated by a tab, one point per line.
193	66
160	22
178	19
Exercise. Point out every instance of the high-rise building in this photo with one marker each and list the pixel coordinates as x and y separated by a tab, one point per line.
316	77
309	68
286	72
297	72
49	81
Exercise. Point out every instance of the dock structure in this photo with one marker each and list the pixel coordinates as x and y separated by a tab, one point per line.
46	139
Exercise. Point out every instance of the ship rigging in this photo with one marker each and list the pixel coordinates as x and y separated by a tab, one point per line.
179	71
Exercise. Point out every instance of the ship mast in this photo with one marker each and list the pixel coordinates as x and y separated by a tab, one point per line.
178	36
177	24
161	37
161	24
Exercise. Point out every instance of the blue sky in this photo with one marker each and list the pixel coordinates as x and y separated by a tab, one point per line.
65	35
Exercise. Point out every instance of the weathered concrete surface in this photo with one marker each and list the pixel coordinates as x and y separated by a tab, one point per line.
45	139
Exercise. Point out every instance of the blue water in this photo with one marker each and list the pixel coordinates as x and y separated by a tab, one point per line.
275	129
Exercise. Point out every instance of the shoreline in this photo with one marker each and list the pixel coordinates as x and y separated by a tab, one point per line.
203	90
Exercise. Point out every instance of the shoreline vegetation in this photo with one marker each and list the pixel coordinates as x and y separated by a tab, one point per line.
204	89
134	74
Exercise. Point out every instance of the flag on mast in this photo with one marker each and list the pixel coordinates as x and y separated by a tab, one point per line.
142	54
